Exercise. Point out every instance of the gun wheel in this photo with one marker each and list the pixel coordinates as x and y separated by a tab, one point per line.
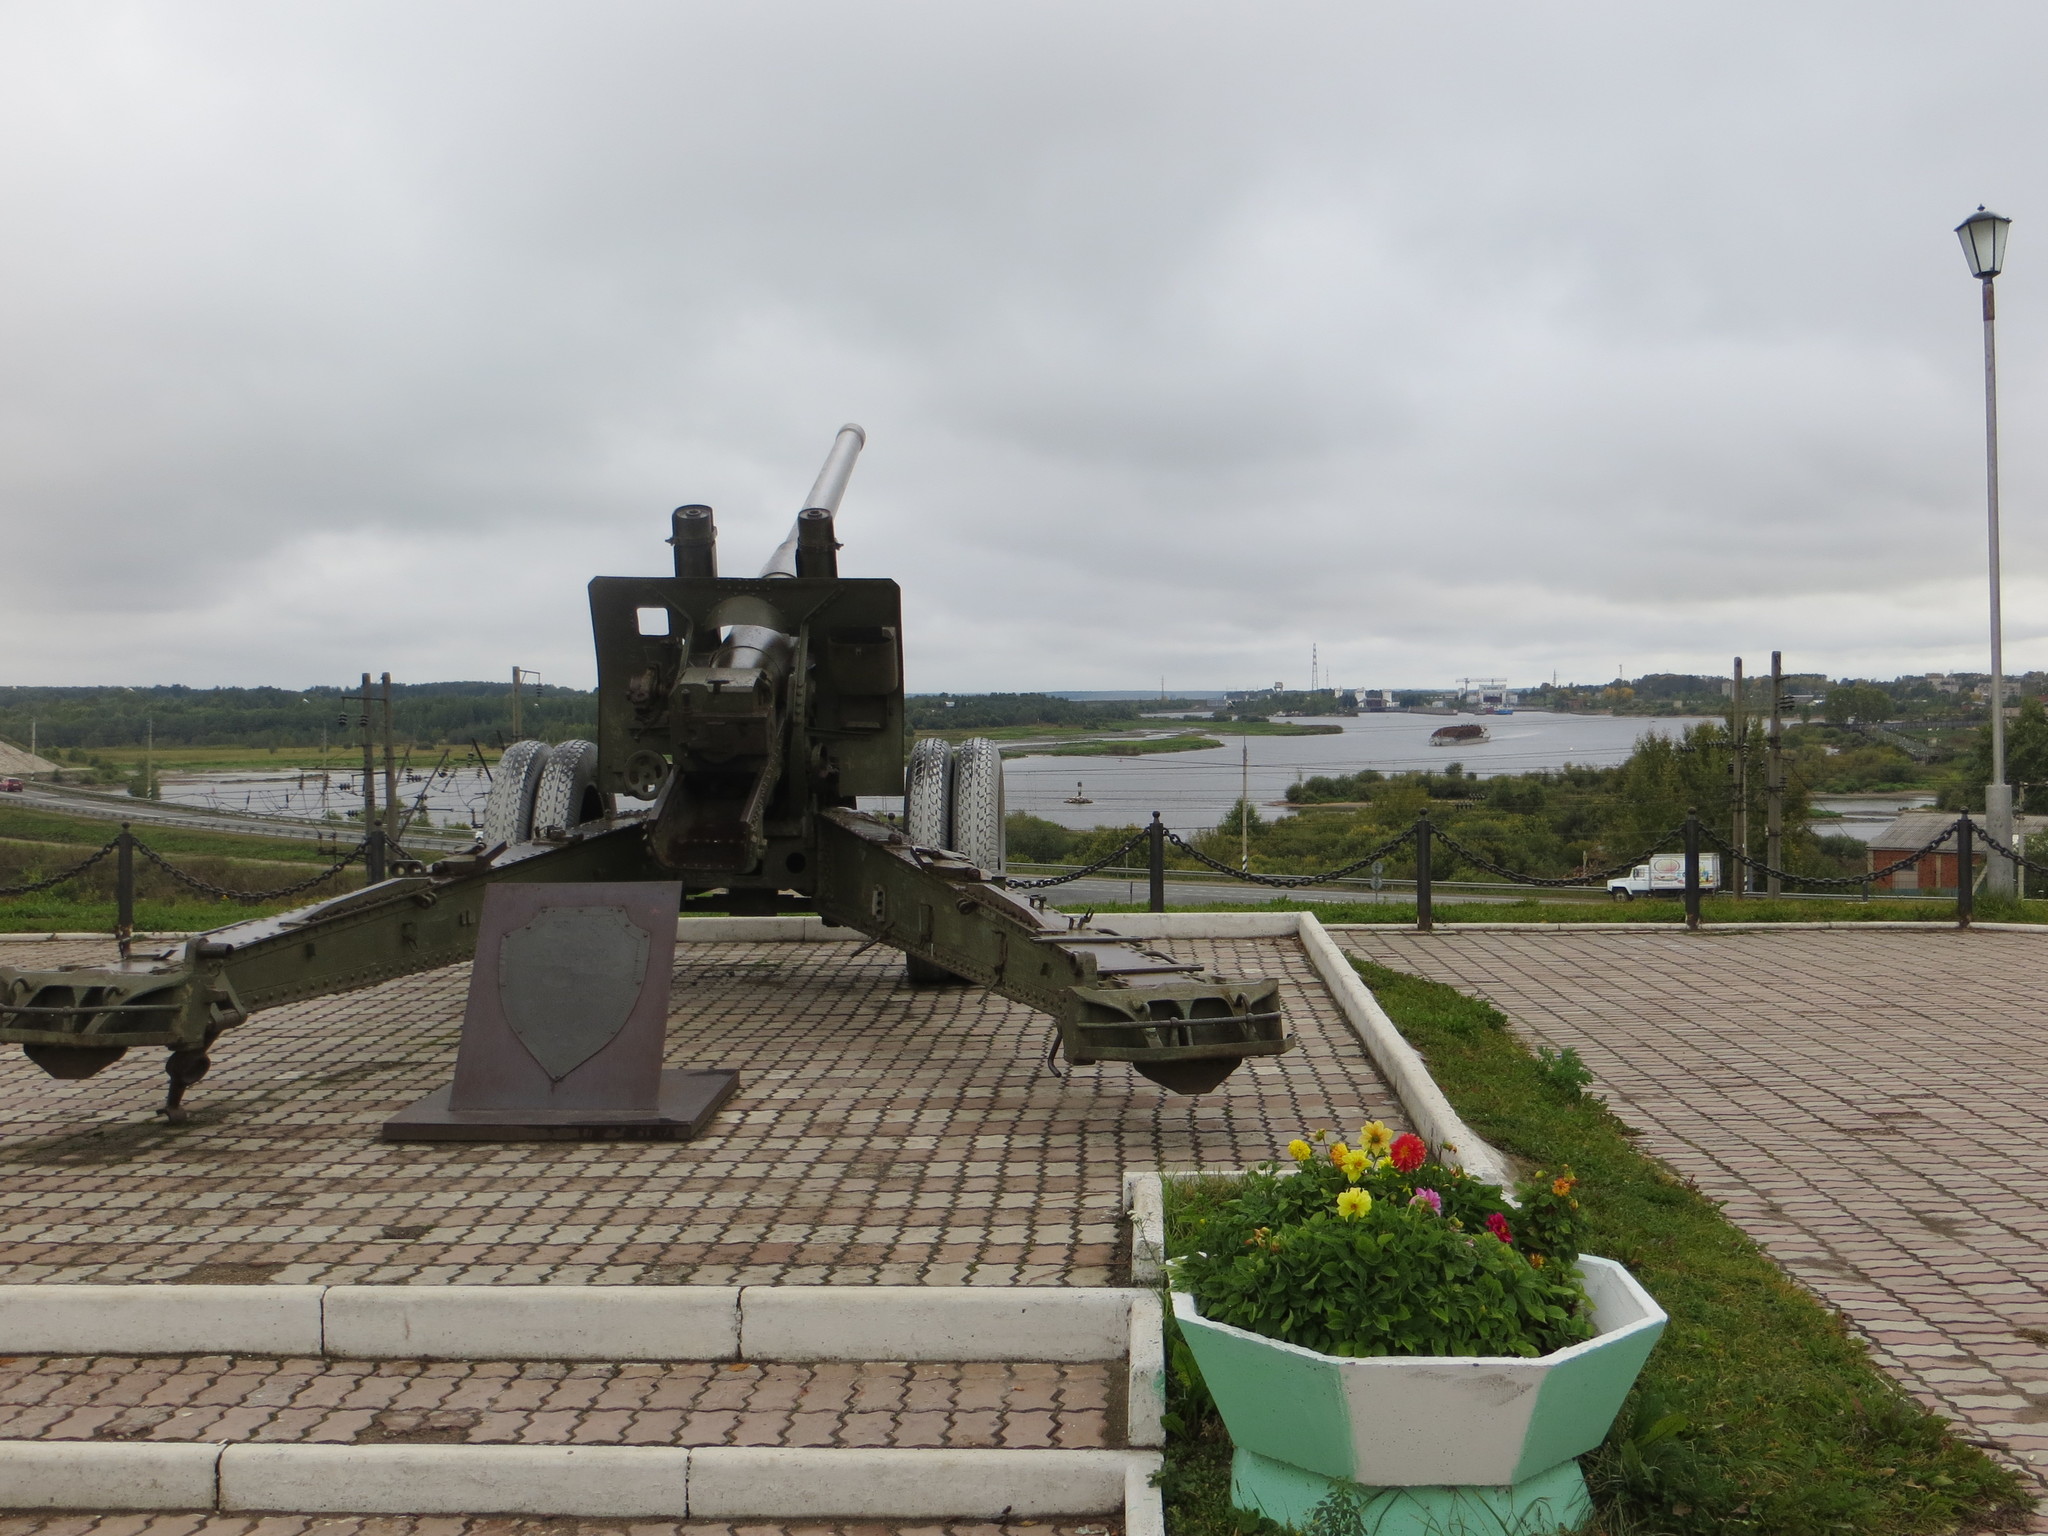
567	795
928	794
978	804
508	811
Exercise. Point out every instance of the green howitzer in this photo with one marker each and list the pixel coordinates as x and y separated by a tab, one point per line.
748	716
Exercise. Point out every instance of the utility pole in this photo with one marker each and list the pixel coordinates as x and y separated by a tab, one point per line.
149	758
1774	780
390	776
1738	825
373	835
515	703
1244	803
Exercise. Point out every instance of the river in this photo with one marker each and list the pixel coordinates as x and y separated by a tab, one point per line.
1197	789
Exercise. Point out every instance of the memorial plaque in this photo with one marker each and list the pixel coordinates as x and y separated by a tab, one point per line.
563	1033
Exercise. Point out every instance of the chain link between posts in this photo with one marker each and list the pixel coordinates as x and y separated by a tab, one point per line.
1552	883
1099	865
1289	882
279	894
58	879
1845	881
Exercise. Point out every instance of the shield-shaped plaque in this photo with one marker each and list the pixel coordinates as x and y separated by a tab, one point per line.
568	981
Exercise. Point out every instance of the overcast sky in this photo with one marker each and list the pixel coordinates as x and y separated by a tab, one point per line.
1489	339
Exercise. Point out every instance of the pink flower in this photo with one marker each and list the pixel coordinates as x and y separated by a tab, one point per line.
1408	1152
1497	1224
1428	1197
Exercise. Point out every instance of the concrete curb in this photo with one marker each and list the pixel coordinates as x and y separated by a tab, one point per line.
91	1474
161	1319
1451	930
605	1482
1145	1378
1147	1214
1406	1073
574	1322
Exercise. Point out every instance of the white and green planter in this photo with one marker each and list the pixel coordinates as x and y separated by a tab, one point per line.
1440	1445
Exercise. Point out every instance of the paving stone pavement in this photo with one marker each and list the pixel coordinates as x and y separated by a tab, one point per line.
1021	1405
1871	1107
883	1135
504	1525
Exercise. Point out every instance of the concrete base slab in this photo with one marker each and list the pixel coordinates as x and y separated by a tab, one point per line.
1549	1502
687	1102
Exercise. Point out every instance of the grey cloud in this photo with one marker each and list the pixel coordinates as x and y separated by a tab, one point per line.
1495	338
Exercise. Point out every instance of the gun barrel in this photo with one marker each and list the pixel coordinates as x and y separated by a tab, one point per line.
826	491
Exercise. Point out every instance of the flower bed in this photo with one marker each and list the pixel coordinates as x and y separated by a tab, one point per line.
1384	1329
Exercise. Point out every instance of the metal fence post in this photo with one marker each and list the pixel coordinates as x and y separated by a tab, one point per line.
1966	881
373	853
1425	916
1157	833
124	889
1692	870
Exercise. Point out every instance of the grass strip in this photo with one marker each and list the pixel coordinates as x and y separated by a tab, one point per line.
31	825
1757	1411
55	914
1143	746
1721	909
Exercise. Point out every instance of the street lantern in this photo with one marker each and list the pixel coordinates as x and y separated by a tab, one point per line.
1983	237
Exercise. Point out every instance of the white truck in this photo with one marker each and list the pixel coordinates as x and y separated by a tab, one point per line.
1664	875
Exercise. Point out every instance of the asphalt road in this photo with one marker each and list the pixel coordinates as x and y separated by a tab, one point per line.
81	802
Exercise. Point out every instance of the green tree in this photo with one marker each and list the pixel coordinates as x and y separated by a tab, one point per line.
1864	702
2026	762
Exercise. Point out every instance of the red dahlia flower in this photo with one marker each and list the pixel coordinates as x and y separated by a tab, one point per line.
1497	1224
1408	1152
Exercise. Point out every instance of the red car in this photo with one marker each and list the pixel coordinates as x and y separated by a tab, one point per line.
14	786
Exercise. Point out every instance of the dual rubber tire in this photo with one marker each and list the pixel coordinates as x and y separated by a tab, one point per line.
953	800
542	791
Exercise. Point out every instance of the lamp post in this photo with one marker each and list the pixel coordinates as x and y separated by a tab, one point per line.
1983	238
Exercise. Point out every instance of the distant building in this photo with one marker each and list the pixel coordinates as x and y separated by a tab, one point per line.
1935	873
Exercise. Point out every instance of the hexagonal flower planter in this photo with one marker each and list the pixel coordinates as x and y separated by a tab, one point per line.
1436	1445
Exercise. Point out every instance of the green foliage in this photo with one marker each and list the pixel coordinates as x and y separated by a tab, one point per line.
1034	840
1757	1411
1137	746
1857	701
1284	1256
2026	763
989	711
1563	1072
73	718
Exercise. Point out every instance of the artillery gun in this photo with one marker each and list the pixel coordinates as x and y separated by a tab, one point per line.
747	716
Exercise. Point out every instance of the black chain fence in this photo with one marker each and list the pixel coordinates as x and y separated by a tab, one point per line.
226	894
1480	861
1290	882
58	879
182	877
1097	867
1835	881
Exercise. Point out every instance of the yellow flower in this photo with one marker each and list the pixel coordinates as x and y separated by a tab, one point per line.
1356	1164
1338	1153
1375	1138
1301	1151
1353	1203
1536	1260
1562	1186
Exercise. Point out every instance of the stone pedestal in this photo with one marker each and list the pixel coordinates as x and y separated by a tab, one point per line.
562	1036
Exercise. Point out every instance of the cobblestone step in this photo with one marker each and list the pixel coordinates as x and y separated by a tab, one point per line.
510	1525
220	1398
